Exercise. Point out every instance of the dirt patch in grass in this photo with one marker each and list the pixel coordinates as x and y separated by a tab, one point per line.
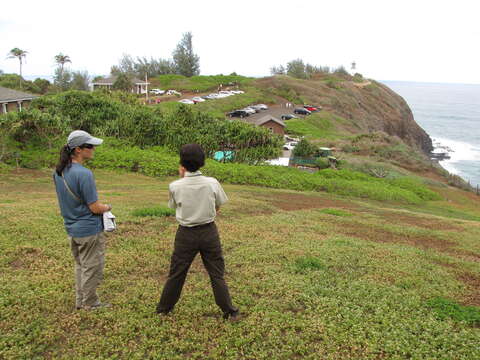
16	264
292	202
464	254
472	282
25	256
426	223
30	173
382	235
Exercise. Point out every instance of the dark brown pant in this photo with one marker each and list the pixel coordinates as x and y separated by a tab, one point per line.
188	242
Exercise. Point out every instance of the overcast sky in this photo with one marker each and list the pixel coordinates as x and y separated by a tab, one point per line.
421	40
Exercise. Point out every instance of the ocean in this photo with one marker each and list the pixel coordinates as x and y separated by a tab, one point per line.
450	114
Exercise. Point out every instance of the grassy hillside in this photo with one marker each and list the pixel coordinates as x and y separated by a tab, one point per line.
200	83
317	276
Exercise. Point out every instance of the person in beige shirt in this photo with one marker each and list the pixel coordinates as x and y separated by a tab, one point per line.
196	200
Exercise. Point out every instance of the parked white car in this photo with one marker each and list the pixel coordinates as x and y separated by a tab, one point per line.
289	145
157	91
186	101
238	92
249	110
262	106
173	92
198	99
226	92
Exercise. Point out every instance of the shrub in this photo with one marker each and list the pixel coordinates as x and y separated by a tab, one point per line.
322	163
304	149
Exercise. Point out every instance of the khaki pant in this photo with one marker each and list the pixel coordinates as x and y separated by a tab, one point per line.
89	255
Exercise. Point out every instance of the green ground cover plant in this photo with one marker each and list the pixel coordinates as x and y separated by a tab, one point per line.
311	286
160	162
158	211
336	212
200	83
449	309
317	126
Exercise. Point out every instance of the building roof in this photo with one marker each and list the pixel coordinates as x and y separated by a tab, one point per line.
110	80
9	95
265	119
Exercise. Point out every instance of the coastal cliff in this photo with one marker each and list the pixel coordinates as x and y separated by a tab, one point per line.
365	106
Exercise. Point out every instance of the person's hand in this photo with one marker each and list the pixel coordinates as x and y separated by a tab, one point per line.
181	171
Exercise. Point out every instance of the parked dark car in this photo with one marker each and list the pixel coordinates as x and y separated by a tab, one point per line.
288	116
238	113
301	111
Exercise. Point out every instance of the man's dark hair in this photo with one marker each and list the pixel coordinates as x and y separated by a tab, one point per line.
192	157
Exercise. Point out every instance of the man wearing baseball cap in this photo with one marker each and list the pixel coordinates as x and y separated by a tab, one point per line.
82	214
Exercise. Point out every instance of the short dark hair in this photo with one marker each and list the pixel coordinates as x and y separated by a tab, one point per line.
192	157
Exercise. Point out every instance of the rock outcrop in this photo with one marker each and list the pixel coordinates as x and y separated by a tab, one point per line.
366	107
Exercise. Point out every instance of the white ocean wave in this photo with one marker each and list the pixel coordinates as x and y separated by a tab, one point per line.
457	150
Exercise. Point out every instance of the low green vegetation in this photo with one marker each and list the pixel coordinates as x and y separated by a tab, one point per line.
199	83
317	126
52	117
156	211
13	81
309	285
336	212
308	263
449	309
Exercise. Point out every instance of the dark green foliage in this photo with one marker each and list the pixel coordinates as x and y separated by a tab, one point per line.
308	263
52	117
322	163
80	80
42	85
187	63
305	149
14	81
123	82
448	309
296	69
157	211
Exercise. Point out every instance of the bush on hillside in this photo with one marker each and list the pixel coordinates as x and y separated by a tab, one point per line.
52	117
15	82
305	149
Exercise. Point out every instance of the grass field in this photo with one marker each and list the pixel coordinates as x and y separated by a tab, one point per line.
318	276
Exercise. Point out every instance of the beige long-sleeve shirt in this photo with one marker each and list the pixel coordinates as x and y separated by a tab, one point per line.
195	198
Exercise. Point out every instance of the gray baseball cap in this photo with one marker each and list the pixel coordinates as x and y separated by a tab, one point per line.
80	137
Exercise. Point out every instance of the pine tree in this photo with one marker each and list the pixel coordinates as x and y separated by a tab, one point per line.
186	62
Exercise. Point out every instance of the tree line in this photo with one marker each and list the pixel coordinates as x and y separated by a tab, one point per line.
184	62
300	70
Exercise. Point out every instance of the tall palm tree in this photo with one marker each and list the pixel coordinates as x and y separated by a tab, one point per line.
20	54
61	60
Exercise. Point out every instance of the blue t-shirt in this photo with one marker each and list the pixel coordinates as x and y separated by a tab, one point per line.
78	219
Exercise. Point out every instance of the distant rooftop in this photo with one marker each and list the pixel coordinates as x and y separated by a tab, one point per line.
8	95
110	80
265	119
